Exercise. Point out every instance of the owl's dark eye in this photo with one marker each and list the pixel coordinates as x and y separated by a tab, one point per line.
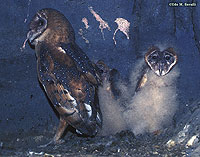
167	57
154	57
41	23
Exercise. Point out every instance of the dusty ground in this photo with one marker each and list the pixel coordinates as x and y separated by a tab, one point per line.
121	144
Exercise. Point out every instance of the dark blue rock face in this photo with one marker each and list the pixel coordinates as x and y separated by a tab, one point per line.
23	103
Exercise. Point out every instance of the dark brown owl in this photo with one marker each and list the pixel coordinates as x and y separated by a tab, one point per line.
69	78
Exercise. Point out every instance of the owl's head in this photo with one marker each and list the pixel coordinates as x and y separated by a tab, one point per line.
51	26
161	62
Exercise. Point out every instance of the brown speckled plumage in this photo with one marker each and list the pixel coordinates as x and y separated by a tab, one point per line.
69	78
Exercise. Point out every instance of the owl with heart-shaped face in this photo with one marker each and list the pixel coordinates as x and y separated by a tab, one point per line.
153	91
70	80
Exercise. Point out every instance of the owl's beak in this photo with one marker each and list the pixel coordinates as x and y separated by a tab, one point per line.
31	36
161	69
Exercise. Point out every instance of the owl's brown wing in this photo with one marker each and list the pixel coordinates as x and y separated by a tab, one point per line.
83	63
71	93
77	111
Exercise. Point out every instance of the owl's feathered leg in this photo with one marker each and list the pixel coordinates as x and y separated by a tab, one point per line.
61	128
56	140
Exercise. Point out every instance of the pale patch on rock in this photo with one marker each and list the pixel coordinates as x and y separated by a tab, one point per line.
84	38
192	140
103	24
171	143
123	26
85	21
